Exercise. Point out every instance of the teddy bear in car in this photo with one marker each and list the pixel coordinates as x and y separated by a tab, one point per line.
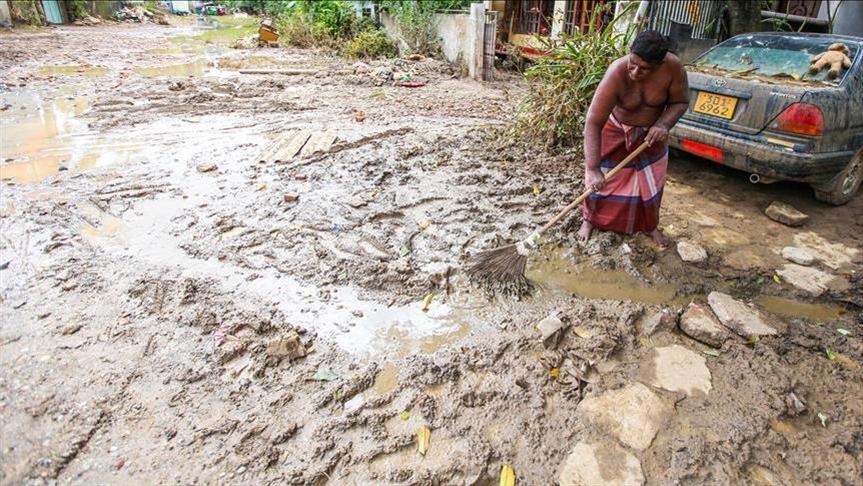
835	57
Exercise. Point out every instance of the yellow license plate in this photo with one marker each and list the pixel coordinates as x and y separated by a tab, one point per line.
715	105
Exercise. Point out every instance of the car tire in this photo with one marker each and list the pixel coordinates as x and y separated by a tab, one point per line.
842	188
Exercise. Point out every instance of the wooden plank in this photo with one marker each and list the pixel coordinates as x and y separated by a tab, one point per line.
295	144
319	142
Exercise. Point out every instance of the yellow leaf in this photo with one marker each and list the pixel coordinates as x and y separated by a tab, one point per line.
507	476
374	194
263	187
554	372
423	436
425	224
536	190
427	301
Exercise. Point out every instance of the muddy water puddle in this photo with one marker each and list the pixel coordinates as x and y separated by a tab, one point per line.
41	137
198	67
792	308
557	270
86	71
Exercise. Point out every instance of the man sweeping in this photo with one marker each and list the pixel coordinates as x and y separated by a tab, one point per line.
640	98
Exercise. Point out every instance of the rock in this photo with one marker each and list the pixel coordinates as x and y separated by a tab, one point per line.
832	254
551	329
207	167
288	346
785	214
699	323
794	406
289	198
600	463
71	328
677	368
633	414
663	320
690	252
810	280
800	256
738	317
361	68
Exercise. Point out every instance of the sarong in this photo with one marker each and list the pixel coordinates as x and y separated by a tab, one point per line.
629	202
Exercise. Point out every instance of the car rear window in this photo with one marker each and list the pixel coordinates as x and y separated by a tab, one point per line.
773	55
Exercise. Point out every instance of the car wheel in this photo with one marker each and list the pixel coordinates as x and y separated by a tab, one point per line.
843	187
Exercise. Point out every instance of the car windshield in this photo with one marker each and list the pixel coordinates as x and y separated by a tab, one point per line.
772	55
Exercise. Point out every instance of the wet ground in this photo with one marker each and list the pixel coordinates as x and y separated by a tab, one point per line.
213	276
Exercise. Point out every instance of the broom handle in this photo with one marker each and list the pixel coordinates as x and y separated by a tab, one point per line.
588	192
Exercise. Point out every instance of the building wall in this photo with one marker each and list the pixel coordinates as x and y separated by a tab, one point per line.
453	31
5	15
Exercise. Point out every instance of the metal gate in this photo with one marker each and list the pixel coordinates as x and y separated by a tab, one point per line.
52	11
702	15
488	44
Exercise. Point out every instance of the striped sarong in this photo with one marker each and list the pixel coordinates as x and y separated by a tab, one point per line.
629	202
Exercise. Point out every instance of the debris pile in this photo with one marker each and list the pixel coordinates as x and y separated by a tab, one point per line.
140	14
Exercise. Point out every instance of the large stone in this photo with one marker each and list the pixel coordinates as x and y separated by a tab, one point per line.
800	256
288	346
690	252
834	255
606	463
810	280
677	368
663	320
551	330
785	214
738	317
699	323
633	414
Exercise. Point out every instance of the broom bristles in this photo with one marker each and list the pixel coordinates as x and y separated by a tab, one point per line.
500	270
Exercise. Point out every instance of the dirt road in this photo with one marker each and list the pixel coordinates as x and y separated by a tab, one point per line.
210	276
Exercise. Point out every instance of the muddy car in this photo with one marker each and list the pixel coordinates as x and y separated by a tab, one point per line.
755	107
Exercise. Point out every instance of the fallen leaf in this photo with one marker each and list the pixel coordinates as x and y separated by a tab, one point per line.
759	280
830	354
711	352
263	187
427	301
423	436
554	372
374	194
405	250
405	415
844	332
325	374
425	224
753	340
507	476
343	275
822	418
359	117
536	190
776	279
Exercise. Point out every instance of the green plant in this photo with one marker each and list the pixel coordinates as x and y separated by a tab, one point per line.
562	84
371	44
77	9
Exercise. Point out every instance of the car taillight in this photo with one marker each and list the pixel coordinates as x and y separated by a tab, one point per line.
703	150
801	118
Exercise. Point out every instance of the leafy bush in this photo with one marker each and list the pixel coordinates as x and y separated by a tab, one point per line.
370	44
563	82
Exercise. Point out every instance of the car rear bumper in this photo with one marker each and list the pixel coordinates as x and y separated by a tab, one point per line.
755	154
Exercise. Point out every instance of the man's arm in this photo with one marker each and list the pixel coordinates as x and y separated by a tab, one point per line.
600	109
678	96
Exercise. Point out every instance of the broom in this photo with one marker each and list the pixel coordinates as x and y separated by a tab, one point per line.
502	269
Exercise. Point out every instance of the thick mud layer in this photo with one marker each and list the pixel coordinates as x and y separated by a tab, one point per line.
210	276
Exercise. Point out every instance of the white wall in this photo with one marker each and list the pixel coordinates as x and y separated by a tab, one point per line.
5	15
457	33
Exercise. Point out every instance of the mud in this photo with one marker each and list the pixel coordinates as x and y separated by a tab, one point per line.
139	294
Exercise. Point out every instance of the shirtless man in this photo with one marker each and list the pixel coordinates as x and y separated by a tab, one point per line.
640	98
